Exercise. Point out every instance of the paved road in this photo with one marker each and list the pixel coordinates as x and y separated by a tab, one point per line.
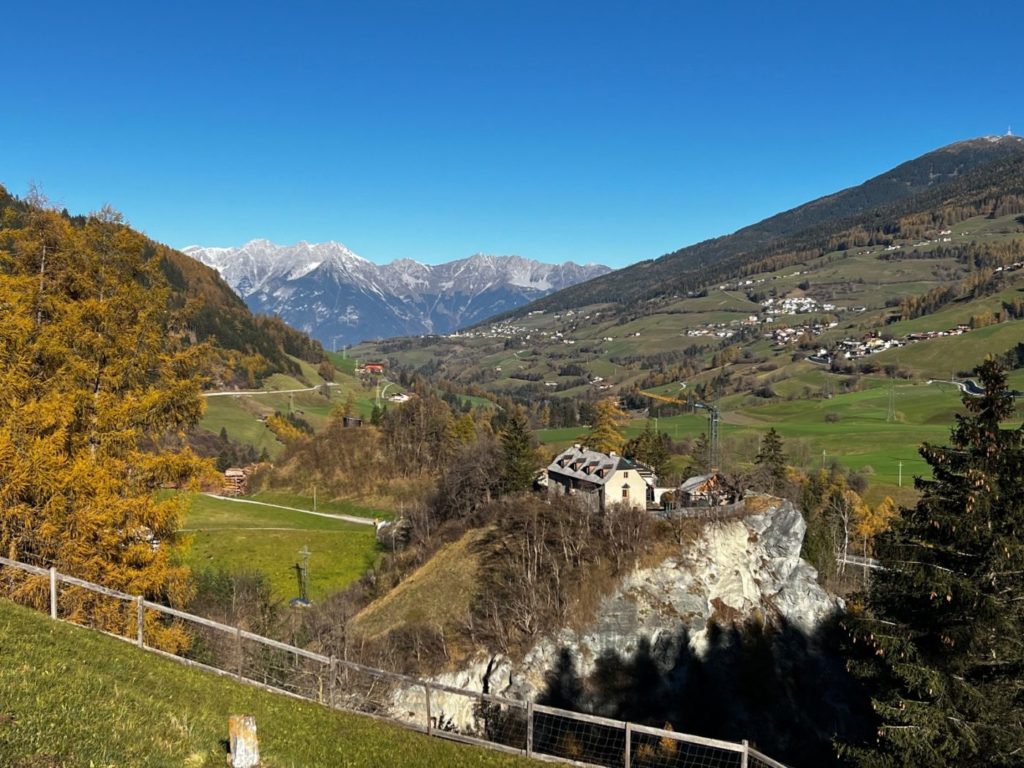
237	392
346	518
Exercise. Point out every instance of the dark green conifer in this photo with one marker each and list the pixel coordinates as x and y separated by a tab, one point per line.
517	451
700	460
650	448
772	460
944	628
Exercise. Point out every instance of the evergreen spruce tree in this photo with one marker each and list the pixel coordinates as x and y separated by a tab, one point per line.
945	622
650	448
772	459
519	458
701	457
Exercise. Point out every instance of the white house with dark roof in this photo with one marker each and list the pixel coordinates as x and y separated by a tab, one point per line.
605	478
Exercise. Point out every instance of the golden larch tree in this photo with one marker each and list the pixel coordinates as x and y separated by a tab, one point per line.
96	390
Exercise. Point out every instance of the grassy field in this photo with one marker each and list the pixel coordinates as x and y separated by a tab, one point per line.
239	416
247	537
74	698
337	506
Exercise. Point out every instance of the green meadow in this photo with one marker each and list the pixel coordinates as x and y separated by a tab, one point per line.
250	537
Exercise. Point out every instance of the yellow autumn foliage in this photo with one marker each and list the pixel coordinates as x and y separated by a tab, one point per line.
96	388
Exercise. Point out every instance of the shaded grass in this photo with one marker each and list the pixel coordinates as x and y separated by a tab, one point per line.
77	698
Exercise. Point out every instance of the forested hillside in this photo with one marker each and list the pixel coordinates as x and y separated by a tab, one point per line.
102	363
245	348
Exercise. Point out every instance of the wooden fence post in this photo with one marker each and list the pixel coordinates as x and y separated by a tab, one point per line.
242	741
745	754
53	592
626	756
529	728
140	622
430	726
238	647
331	675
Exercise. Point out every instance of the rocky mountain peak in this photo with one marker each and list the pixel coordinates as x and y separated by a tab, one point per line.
337	296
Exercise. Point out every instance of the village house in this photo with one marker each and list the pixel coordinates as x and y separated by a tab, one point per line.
604	479
710	490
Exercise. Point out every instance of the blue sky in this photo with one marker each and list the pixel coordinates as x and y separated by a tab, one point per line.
591	131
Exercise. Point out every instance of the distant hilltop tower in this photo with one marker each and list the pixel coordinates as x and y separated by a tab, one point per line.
1009	130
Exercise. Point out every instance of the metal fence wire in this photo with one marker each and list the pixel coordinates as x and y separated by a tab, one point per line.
519	727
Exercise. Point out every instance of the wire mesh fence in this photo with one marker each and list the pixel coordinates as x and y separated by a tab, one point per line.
580	738
470	716
661	748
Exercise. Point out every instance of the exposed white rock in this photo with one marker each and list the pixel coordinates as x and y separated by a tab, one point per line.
736	570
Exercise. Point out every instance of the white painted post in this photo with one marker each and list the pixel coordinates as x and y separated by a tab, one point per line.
140	623
53	592
745	754
627	756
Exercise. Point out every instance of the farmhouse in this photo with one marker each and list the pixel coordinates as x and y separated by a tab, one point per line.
372	368
604	479
709	490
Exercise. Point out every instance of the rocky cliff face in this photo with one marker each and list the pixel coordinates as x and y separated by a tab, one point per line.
737	570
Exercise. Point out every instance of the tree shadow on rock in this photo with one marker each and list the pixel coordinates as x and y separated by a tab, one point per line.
786	692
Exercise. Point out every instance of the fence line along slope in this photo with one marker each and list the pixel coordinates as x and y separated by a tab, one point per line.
509	726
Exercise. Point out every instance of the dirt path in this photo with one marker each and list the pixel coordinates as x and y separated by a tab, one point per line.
346	518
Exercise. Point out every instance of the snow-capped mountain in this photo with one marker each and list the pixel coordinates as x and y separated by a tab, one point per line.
341	298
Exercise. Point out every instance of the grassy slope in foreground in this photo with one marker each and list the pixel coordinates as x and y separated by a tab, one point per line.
76	698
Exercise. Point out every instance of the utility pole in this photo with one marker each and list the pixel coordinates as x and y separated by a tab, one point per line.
901	474
891	415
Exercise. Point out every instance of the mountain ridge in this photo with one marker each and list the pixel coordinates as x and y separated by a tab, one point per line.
334	294
716	258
